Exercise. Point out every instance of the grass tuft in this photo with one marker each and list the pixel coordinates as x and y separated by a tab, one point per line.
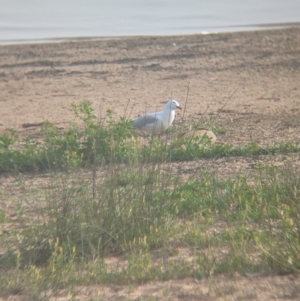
128	218
87	143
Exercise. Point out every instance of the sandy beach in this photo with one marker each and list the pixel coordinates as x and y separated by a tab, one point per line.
39	82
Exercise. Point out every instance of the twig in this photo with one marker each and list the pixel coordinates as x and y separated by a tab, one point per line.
131	109
203	115
226	102
186	99
126	108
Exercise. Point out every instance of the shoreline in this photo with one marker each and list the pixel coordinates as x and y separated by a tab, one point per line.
234	29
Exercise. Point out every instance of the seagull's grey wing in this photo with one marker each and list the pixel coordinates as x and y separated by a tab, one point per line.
141	122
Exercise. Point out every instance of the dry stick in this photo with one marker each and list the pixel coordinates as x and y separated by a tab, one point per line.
202	115
124	115
41	111
219	110
226	102
215	117
131	109
186	99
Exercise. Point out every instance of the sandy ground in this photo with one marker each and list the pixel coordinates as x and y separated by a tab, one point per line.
39	82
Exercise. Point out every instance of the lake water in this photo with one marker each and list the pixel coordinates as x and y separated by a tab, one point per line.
35	20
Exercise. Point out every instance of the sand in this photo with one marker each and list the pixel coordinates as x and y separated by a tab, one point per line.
39	82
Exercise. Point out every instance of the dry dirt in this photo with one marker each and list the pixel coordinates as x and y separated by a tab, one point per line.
39	82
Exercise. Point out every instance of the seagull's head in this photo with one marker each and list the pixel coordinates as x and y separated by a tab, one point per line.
172	105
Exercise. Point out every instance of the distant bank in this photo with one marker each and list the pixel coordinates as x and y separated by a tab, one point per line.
34	21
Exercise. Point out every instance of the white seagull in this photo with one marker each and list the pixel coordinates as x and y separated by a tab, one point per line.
155	123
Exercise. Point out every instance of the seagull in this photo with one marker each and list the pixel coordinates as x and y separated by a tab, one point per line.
155	123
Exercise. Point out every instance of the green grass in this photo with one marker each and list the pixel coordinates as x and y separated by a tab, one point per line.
229	226
127	205
114	141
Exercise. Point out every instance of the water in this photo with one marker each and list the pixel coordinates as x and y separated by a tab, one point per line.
36	20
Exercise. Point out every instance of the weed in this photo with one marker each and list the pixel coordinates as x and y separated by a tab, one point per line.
128	206
111	142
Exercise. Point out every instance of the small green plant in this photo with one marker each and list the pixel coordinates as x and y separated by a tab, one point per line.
6	140
3	217
88	143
